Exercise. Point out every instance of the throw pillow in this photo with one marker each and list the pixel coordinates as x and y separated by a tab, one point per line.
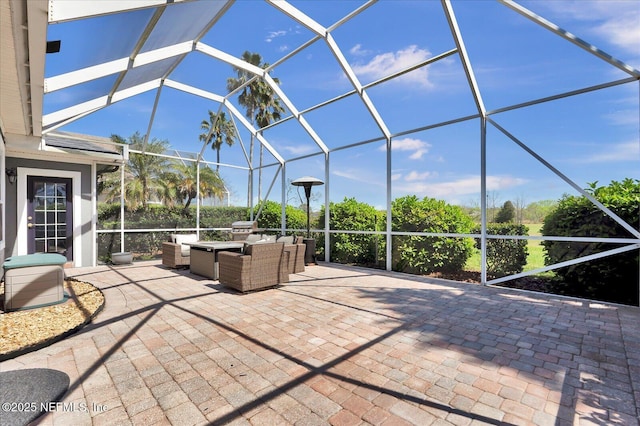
185	250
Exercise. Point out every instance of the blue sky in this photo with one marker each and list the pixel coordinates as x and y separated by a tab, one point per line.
590	137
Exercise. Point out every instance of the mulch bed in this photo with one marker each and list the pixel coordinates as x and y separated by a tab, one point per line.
28	330
531	283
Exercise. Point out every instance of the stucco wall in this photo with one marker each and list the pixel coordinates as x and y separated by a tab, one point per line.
4	200
86	205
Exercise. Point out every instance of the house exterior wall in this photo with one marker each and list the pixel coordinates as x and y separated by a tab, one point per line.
3	199
81	258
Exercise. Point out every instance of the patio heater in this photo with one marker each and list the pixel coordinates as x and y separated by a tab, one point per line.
307	182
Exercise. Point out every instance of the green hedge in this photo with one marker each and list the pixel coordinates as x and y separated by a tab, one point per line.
612	278
271	212
418	254
148	245
505	256
351	215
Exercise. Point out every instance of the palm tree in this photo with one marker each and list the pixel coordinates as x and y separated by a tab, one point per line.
258	98
223	132
144	174
185	182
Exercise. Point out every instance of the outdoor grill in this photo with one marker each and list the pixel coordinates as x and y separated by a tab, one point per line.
243	228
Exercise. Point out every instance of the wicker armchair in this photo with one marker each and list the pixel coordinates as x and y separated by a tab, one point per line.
172	256
296	257
260	266
174	253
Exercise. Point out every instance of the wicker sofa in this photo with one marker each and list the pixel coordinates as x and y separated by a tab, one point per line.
292	244
260	266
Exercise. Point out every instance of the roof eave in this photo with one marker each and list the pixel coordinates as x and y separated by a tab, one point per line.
37	15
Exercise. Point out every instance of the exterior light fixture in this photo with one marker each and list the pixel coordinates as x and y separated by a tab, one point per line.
307	182
53	46
12	175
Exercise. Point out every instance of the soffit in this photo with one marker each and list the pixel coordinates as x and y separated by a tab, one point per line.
13	70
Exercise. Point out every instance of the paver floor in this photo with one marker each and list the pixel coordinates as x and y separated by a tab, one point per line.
342	346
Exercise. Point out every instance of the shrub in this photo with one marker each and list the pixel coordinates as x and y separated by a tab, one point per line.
351	215
270	216
505	256
612	278
430	254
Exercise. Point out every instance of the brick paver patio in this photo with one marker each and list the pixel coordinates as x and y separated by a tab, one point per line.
343	346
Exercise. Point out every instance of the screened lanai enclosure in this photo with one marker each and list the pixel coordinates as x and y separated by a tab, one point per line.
483	141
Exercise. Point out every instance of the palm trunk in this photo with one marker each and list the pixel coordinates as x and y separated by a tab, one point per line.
250	183
260	174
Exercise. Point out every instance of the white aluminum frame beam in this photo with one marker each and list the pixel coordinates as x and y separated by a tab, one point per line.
232	109
570	37
229	59
295	14
294	111
571	262
83	75
80	110
69	10
321	31
355	82
464	57
193	90
260	72
565	178
105	69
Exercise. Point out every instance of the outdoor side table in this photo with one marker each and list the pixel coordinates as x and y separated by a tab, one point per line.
204	256
33	280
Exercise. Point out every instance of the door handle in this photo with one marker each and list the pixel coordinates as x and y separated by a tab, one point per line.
29	225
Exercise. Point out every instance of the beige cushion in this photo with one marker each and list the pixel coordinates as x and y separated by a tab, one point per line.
287	239
248	247
253	238
184	238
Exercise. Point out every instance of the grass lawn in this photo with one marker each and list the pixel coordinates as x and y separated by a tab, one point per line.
535	258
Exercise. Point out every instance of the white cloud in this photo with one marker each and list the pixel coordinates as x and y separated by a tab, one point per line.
628	151
416	146
357	176
358	51
298	149
414	176
388	63
463	186
623	117
616	21
623	31
275	34
352	176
